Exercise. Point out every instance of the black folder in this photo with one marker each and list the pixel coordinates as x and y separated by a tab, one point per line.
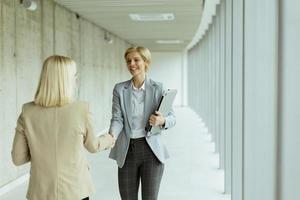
164	107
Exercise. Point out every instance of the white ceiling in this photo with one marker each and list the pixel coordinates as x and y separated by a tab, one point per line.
113	15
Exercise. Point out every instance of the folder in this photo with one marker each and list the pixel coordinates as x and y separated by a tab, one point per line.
164	107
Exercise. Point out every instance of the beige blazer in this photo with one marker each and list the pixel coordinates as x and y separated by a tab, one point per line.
52	139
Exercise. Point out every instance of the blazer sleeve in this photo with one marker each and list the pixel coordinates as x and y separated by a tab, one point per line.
116	122
91	142
20	150
170	120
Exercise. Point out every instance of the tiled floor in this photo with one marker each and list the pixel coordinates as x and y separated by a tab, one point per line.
190	174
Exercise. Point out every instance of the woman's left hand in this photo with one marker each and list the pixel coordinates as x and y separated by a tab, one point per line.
157	119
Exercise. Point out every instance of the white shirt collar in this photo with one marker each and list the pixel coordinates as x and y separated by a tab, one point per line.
141	88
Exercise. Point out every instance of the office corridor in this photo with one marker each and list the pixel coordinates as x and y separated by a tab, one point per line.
235	63
191	173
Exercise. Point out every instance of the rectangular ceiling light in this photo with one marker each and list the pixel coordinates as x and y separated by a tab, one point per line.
152	16
125	4
169	41
129	3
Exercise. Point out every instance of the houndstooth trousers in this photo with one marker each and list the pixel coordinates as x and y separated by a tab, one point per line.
140	165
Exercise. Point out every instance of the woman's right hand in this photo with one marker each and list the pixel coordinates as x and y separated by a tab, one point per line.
111	139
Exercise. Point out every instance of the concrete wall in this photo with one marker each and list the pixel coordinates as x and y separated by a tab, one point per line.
26	39
167	67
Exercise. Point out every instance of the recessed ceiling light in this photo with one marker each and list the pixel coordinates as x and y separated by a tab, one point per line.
152	16
122	3
169	41
128	4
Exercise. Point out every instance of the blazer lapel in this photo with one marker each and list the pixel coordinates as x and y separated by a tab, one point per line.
148	99
127	99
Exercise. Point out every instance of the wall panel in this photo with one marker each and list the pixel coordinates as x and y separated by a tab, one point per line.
8	89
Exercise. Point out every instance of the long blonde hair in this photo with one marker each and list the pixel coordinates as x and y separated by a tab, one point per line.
57	82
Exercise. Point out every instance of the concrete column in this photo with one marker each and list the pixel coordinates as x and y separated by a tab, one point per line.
237	100
217	79
260	91
222	85
228	96
289	101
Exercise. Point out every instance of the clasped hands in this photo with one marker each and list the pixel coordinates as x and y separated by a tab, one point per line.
111	140
155	119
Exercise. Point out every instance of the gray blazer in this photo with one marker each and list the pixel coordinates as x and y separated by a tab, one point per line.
121	120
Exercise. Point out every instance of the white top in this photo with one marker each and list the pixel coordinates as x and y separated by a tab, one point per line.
138	103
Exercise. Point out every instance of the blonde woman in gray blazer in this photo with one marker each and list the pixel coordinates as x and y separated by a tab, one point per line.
140	155
51	133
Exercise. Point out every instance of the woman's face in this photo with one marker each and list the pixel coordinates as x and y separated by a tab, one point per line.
135	64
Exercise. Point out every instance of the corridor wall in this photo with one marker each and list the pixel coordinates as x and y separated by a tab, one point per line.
243	75
26	39
161	65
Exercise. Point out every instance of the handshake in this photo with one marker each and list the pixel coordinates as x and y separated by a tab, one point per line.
107	141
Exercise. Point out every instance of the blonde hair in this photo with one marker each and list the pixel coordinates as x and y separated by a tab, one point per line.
144	53
57	82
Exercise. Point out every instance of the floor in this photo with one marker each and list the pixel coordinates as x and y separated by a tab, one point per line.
191	173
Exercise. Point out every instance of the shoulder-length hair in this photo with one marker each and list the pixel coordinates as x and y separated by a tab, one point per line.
57	82
144	53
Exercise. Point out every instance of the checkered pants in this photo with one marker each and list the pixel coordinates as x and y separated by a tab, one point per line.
140	164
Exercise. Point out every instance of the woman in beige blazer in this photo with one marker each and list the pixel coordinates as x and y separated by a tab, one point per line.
51	133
